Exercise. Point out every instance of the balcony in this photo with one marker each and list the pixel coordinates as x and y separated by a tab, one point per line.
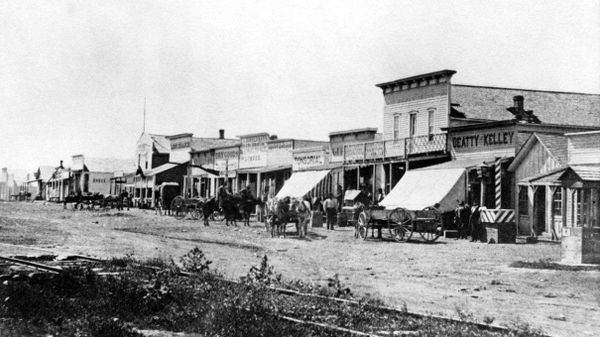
386	149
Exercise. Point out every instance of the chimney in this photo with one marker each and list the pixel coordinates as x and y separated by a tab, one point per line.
61	165
518	102
221	133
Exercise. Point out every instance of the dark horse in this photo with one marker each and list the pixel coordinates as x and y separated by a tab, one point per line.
234	207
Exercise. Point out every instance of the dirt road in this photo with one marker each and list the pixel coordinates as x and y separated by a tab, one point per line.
451	277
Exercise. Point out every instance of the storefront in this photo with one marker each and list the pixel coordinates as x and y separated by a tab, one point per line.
145	183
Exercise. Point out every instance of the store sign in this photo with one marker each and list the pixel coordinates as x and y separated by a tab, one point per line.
227	159
482	140
253	152
306	160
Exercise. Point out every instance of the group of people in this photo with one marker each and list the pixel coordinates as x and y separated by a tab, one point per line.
467	220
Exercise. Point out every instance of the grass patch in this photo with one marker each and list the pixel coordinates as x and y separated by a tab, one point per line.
154	295
550	265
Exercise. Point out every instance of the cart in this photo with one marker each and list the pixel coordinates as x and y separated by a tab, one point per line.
352	207
401	223
181	206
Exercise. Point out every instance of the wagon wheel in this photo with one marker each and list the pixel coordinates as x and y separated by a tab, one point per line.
178	208
400	224
196	211
362	225
218	215
431	236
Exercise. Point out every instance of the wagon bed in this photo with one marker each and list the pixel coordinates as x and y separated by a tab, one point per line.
401	223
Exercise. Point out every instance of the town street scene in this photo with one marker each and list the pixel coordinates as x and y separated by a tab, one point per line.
282	168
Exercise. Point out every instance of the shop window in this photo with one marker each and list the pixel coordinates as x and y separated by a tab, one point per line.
396	127
557	202
523	201
431	115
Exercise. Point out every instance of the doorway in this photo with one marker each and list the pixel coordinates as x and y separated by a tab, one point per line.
540	210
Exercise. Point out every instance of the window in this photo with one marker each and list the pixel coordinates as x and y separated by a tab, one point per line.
396	127
583	207
523	201
412	124
557	202
431	112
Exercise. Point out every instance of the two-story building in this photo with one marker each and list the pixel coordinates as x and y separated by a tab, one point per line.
483	129
168	159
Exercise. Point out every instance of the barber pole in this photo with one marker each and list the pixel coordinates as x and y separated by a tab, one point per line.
498	182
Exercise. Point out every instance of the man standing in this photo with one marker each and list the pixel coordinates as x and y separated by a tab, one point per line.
475	223
330	205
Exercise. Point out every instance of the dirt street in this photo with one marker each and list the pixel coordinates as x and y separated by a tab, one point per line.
451	277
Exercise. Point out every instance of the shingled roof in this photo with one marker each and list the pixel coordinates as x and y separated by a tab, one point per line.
161	143
202	144
549	106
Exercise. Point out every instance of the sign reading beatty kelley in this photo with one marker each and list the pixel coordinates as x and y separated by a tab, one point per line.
481	140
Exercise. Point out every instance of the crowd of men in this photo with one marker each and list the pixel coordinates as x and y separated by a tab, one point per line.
466	219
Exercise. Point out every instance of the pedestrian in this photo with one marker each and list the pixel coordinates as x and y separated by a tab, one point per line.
380	196
340	197
461	220
157	202
303	210
330	205
475	223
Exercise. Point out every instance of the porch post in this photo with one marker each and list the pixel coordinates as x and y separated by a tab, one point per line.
483	192
498	182
549	210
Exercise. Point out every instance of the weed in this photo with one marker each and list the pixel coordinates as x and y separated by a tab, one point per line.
195	261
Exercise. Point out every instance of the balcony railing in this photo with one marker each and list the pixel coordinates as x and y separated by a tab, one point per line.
398	148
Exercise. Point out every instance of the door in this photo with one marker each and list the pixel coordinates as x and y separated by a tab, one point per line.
540	210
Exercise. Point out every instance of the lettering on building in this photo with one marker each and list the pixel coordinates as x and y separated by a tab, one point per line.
481	140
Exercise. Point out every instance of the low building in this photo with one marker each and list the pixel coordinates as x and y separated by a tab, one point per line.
94	175
60	184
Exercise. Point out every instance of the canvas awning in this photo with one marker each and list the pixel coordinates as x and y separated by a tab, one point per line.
199	172
425	187
351	194
301	183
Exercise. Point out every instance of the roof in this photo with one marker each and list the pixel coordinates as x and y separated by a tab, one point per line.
555	145
203	144
551	107
161	168
106	165
546	177
587	172
254	134
161	143
583	133
344	132
46	172
440	73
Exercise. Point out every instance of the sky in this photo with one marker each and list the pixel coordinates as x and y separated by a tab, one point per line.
74	75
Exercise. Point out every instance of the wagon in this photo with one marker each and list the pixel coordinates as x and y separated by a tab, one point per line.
181	206
400	223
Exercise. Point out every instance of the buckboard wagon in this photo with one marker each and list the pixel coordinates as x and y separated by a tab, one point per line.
400	223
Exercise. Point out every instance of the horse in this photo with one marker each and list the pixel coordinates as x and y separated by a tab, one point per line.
246	206
278	216
208	208
302	210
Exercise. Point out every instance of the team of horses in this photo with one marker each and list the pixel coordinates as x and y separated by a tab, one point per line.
278	212
93	200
